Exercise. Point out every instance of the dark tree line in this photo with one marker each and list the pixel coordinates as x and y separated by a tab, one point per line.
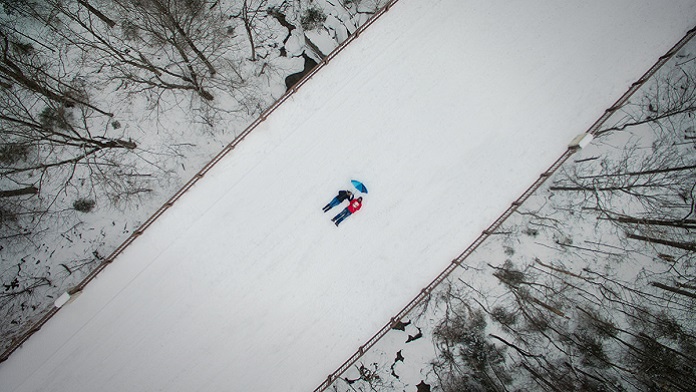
63	150
68	68
583	317
649	192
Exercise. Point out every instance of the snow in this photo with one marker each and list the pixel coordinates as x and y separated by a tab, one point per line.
582	140
62	300
446	110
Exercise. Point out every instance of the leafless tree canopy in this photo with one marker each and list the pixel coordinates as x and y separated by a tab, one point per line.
581	315
87	88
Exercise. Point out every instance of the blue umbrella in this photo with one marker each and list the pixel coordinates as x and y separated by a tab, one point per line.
359	186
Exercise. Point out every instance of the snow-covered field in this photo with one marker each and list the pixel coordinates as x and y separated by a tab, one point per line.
447	110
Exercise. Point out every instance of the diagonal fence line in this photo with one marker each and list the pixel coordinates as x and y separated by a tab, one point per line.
201	173
425	292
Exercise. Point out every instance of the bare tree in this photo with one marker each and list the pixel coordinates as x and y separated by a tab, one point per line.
159	45
47	122
649	192
23	65
467	360
251	11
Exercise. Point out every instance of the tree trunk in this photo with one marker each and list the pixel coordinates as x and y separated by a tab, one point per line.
97	13
644	172
13	72
519	350
683	224
673	289
680	245
247	26
181	31
30	190
650	119
541	378
600	189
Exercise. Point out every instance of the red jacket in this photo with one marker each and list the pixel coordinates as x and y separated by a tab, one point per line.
354	205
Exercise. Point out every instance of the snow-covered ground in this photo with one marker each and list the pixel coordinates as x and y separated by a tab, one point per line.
447	110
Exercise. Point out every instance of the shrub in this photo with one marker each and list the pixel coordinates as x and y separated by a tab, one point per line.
312	19
130	30
7	216
12	153
531	232
592	351
52	118
22	48
84	205
503	316
509	275
592	323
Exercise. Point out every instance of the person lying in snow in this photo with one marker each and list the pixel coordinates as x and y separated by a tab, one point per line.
342	195
352	208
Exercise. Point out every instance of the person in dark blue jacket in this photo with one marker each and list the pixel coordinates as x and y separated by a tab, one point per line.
342	195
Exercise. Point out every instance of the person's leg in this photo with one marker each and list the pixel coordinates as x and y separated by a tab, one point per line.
343	217
340	215
333	203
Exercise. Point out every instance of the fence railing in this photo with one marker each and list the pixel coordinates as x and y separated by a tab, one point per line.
201	173
425	292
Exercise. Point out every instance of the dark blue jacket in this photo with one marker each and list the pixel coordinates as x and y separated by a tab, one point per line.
343	195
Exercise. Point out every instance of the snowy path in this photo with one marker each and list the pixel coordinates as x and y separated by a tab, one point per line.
446	109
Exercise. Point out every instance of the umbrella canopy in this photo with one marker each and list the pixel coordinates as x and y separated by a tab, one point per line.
359	186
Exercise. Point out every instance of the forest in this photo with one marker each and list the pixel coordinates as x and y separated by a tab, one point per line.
108	107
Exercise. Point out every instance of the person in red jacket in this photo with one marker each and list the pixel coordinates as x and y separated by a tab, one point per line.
352	208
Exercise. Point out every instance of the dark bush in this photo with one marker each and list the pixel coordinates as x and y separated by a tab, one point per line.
51	118
312	19
23	49
593	323
7	216
12	153
509	275
531	232
503	316
130	30
592	351
84	205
